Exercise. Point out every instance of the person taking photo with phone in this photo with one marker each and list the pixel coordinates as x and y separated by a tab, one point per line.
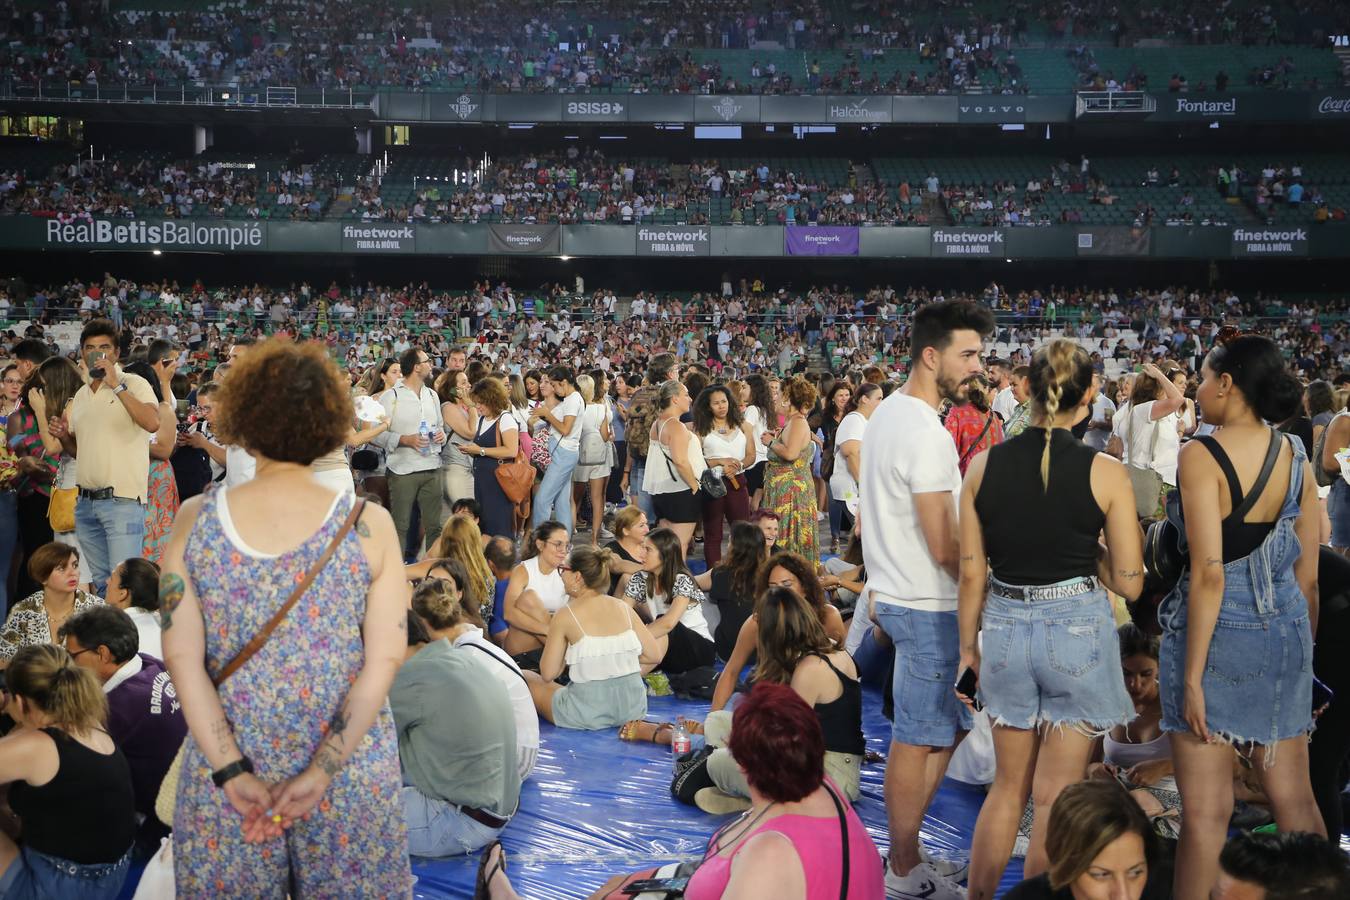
105	428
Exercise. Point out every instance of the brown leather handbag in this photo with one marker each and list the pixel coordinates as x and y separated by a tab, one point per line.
516	477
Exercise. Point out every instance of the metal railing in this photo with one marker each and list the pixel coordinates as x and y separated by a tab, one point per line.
1096	103
213	95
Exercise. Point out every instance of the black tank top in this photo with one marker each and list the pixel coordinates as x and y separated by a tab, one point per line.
1031	535
1239	538
841	718
87	813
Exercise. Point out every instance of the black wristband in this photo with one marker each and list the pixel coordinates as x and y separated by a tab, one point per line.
238	767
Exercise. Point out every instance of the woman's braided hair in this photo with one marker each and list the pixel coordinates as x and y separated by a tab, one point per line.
1061	374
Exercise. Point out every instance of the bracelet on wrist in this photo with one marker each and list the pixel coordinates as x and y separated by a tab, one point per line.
238	767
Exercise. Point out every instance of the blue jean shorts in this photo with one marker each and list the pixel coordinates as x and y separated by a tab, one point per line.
927	652
38	875
1052	662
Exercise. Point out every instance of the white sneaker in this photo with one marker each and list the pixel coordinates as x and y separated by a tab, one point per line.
951	869
922	883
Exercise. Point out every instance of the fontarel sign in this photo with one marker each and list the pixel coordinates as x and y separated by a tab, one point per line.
379	239
136	234
967	242
1270	242
674	240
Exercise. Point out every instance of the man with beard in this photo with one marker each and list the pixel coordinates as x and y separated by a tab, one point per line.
910	482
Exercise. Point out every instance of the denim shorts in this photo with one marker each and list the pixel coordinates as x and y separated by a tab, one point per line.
1052	662
927	652
38	875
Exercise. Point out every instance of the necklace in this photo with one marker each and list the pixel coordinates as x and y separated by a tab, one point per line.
715	845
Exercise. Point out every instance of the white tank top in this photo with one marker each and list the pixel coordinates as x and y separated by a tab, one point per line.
661	476
1126	754
600	658
730	445
549	587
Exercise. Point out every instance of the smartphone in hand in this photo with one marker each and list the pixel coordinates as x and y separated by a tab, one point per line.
966	684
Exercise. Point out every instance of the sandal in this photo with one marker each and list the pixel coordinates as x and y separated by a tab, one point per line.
486	873
634	731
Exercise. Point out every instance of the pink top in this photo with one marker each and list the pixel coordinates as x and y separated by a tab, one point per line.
816	841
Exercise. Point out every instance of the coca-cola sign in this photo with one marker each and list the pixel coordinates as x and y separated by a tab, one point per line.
1332	105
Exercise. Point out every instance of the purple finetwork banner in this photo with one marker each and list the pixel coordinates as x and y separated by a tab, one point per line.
821	240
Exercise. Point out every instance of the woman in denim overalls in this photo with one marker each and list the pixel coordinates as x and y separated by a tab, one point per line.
1236	663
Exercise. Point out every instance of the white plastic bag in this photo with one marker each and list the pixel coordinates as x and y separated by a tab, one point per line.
157	879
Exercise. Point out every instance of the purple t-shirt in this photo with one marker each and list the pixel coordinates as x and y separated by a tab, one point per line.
146	721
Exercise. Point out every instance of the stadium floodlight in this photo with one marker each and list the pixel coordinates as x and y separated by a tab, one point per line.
156	252
564	258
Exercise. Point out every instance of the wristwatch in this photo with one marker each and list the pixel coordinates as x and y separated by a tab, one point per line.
238	767
119	389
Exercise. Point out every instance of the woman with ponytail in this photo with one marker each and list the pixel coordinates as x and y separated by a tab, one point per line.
1035	579
1236	656
68	783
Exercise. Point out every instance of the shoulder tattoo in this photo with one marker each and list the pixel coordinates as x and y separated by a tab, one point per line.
171	589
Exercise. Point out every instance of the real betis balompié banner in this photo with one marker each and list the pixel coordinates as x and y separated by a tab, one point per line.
208	235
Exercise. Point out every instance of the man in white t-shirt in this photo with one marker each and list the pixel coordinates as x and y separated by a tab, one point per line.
911	482
1100	421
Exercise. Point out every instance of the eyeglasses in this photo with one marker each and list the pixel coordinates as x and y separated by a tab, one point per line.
17	382
566	569
561	546
76	654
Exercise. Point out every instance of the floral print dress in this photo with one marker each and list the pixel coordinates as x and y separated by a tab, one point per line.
790	491
279	704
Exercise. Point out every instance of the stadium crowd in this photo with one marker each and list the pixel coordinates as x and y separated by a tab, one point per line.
665	469
522	45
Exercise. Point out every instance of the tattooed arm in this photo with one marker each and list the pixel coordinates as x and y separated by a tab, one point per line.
386	639
1121	564
185	657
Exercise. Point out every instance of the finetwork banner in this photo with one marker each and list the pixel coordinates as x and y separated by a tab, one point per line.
820	240
1270	242
968	242
379	239
138	234
674	240
539	240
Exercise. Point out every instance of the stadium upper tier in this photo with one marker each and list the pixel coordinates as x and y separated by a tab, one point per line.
744	46
578	187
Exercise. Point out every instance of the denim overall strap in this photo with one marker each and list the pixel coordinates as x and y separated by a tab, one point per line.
1270	557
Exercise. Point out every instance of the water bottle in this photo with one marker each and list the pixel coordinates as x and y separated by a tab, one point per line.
425	431
680	741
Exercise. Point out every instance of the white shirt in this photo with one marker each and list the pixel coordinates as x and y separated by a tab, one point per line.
505	670
757	428
1103	408
1005	403
910	453
240	466
128	669
407	411
573	405
1140	449
842	485
147	627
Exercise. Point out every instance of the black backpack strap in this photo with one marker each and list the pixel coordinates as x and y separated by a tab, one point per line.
481	649
843	842
1221	457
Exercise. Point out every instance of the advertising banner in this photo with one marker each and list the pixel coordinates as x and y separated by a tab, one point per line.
537	240
727	108
1253	106
1286	241
795	110
168	234
858	110
821	240
379	238
592	109
660	108
456	107
674	240
1119	240
1330	106
931	110
985	242
994	110
523	108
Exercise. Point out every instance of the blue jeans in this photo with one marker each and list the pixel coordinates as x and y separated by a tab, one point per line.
109	531
553	500
841	519
644	499
437	828
9	538
34	874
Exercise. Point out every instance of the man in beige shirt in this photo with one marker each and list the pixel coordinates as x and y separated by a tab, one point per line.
107	427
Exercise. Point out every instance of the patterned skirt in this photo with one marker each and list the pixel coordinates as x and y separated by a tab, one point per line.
160	508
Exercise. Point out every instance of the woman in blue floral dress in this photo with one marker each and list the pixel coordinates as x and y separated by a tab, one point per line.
300	736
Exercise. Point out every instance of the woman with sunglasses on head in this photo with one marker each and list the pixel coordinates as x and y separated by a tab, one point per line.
536	590
727	442
604	646
1237	629
675	465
